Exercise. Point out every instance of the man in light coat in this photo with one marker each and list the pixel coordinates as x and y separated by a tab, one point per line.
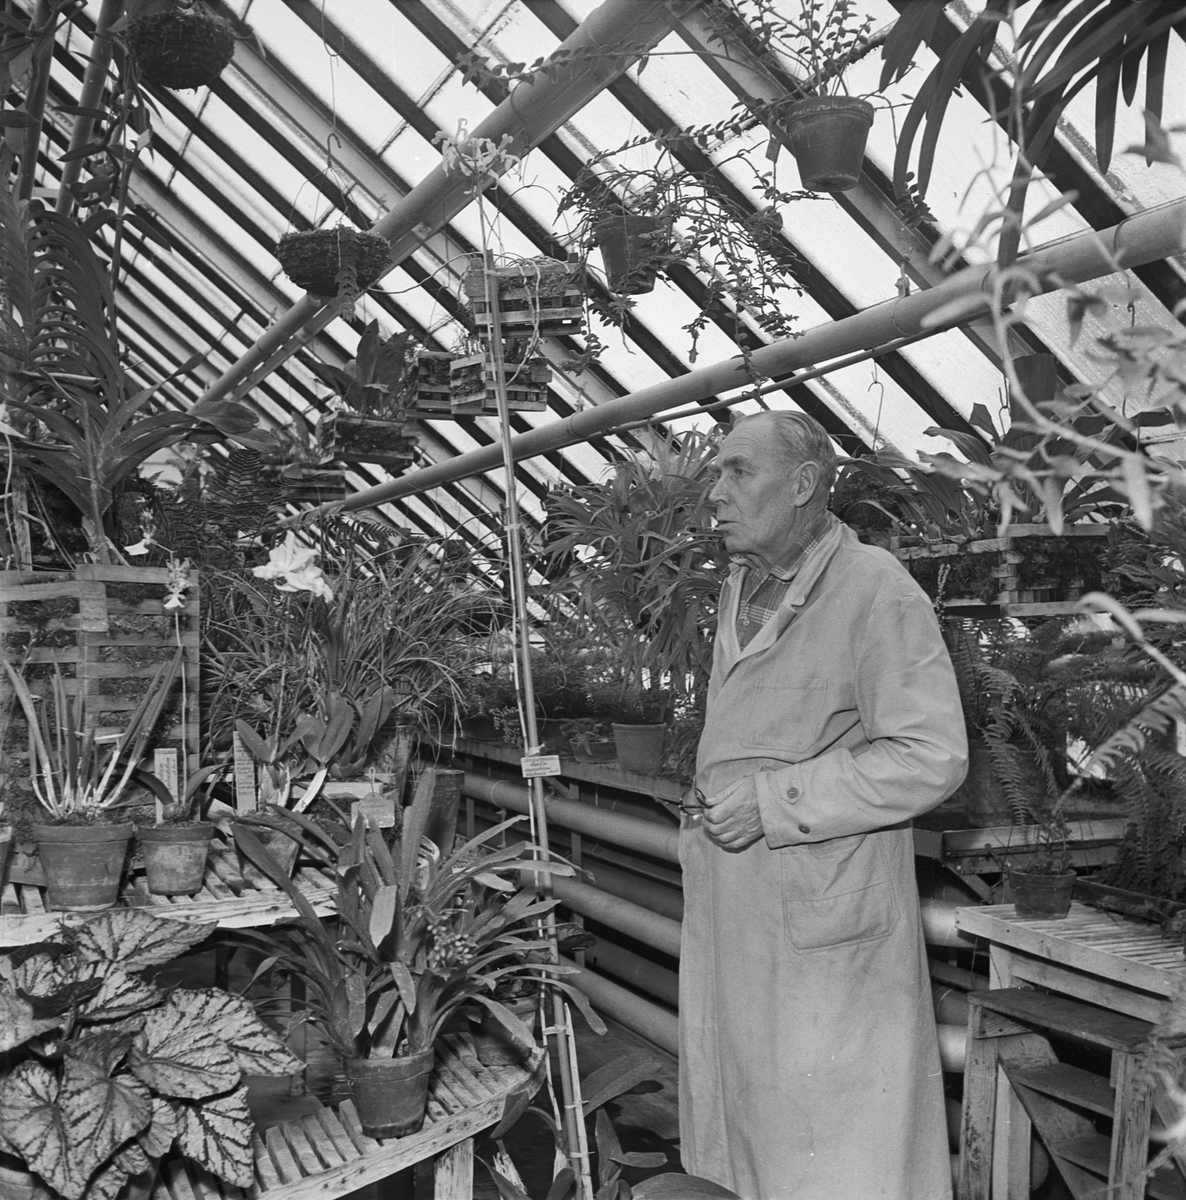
809	1067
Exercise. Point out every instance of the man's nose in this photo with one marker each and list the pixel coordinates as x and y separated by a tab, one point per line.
716	492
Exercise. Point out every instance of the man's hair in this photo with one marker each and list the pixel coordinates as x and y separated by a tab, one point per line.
802	439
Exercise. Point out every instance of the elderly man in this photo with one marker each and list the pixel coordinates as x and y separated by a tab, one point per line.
809	1065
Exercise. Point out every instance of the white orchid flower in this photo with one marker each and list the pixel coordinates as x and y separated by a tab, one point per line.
293	570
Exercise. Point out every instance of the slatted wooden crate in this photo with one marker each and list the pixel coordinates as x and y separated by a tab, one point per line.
1030	572
379	440
434	393
526	384
537	296
108	629
314	485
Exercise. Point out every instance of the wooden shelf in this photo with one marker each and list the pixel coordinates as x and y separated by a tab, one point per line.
232	895
325	1153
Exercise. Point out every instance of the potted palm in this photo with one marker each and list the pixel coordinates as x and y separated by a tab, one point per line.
106	1072
81	774
419	933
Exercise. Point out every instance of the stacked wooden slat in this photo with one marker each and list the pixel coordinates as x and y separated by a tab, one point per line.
536	297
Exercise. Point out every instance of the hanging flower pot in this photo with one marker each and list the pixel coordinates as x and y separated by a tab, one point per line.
322	261
827	135
83	863
390	1094
180	48
175	857
629	242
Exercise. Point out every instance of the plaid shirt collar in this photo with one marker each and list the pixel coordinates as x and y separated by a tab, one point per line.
757	573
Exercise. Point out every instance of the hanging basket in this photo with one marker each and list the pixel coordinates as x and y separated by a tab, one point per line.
379	440
538	296
180	48
629	243
827	136
315	258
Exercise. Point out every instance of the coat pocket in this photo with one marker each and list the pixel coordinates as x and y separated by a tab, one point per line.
784	717
837	893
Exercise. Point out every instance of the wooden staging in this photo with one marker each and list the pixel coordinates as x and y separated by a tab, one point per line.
233	895
325	1153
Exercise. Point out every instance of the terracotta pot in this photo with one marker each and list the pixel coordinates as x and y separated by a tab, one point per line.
828	135
390	1094
83	863
628	244
175	857
1046	896
591	750
496	1045
640	747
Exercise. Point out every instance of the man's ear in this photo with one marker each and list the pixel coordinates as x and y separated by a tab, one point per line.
808	482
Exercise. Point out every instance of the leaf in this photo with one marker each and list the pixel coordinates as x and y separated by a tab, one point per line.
216	1134
158	1135
405	983
15	118
1135	486
18	1024
233	1020
616	1077
136	939
33	1125
384	908
681	1187
178	1058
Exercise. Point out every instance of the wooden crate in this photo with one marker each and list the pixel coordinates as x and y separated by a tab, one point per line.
1030	572
379	440
314	485
542	297
109	630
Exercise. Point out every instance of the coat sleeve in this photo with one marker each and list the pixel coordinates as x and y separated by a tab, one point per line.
915	748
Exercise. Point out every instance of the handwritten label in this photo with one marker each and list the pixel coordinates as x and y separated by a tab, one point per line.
540	765
377	810
164	767
244	778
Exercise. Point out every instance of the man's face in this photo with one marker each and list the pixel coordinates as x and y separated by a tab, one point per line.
759	498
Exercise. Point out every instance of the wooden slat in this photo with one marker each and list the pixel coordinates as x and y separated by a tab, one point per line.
1099	1026
334	1132
267	1177
326	1149
303	1152
1092	1152
1072	1084
283	1159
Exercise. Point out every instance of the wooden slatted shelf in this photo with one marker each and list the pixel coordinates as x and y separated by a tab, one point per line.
325	1153
233	894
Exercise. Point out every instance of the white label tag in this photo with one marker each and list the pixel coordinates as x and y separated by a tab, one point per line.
540	765
244	777
377	810
164	767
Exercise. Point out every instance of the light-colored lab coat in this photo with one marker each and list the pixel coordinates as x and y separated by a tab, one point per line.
809	1066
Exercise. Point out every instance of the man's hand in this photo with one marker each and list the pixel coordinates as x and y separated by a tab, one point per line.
731	818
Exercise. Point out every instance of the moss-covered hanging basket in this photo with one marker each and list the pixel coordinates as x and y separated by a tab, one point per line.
319	259
180	48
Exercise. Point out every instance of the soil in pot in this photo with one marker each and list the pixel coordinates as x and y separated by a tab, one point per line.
629	242
83	864
640	747
1047	896
181	48
828	135
391	1094
175	857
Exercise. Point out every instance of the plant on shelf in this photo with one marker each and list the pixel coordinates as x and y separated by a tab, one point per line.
420	932
106	1073
81	774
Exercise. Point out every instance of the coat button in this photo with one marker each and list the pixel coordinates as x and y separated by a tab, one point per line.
792	793
804	828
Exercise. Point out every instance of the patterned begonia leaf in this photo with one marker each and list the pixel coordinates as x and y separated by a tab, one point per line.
17	1022
137	939
158	1136
179	1057
217	1135
105	1048
107	1182
257	1049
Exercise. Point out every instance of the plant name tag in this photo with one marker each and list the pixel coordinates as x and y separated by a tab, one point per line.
539	765
164	767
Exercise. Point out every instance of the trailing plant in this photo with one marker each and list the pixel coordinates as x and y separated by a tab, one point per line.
106	1072
419	931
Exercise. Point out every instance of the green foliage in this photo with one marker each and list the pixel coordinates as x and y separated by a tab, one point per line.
107	1071
420	930
380	381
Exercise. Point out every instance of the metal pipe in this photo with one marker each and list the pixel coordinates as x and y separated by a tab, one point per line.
967	981
645	837
951	1005
1141	238
650	894
953	1047
938	924
640	973
641	1016
621	915
533	111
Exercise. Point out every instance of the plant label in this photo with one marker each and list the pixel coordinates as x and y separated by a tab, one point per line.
164	767
539	765
244	778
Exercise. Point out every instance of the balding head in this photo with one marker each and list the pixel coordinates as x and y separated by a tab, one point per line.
800	439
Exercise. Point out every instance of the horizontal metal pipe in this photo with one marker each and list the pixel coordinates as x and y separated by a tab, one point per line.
1143	237
639	1015
640	973
951	1005
645	837
965	980
953	1047
631	919
658	897
938	924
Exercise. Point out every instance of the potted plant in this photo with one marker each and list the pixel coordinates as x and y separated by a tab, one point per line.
81	774
419	933
632	245
377	394
106	1073
537	297
338	261
177	44
174	846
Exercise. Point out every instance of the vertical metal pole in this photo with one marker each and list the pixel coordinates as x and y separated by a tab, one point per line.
574	1122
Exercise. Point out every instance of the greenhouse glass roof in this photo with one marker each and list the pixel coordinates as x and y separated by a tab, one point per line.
334	111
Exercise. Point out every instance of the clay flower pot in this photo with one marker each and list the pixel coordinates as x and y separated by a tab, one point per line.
628	244
175	857
391	1094
1037	895
314	258
827	135
83	864
180	48
640	747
